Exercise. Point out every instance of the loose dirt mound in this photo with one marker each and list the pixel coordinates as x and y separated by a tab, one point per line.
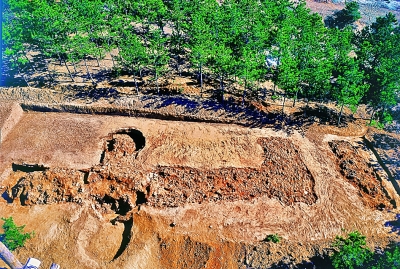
360	174
10	114
282	175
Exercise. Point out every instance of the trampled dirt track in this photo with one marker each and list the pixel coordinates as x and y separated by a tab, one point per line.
177	192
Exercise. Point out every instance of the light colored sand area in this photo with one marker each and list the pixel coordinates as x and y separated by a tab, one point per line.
76	141
10	114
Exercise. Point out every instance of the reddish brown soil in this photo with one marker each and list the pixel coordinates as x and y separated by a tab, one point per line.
198	195
360	174
282	175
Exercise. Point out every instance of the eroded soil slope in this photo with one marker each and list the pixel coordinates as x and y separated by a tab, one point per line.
387	146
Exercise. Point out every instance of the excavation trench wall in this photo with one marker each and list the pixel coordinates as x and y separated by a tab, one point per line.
122	111
10	114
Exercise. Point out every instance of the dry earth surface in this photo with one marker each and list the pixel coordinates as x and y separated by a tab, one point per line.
176	181
104	191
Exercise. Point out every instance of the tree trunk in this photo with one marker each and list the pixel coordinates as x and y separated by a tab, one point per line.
221	83
340	114
87	70
372	115
26	81
98	62
283	105
244	92
33	66
201	81
295	98
112	59
49	71
136	85
9	258
158	89
19	72
69	71
74	65
307	106
178	66
109	46
160	25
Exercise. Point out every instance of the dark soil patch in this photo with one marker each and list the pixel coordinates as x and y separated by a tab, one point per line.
282	176
360	173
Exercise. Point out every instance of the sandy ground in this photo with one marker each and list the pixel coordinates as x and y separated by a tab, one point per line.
81	235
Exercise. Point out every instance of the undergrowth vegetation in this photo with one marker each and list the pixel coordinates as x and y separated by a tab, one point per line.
14	236
351	252
274	238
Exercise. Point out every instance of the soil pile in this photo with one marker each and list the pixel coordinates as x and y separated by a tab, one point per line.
361	175
282	175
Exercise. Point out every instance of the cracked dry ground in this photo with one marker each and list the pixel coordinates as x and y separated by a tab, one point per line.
146	193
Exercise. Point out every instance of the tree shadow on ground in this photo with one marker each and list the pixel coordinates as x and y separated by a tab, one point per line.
386	142
232	110
323	115
394	224
316	262
102	75
126	83
95	94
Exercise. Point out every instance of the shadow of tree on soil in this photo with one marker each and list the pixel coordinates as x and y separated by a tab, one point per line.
394	224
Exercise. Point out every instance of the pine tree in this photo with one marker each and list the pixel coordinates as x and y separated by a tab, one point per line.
378	51
133	54
200	40
157	54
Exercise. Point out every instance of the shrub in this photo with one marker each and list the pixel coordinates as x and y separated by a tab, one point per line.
389	260
377	124
275	238
350	252
13	236
274	97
